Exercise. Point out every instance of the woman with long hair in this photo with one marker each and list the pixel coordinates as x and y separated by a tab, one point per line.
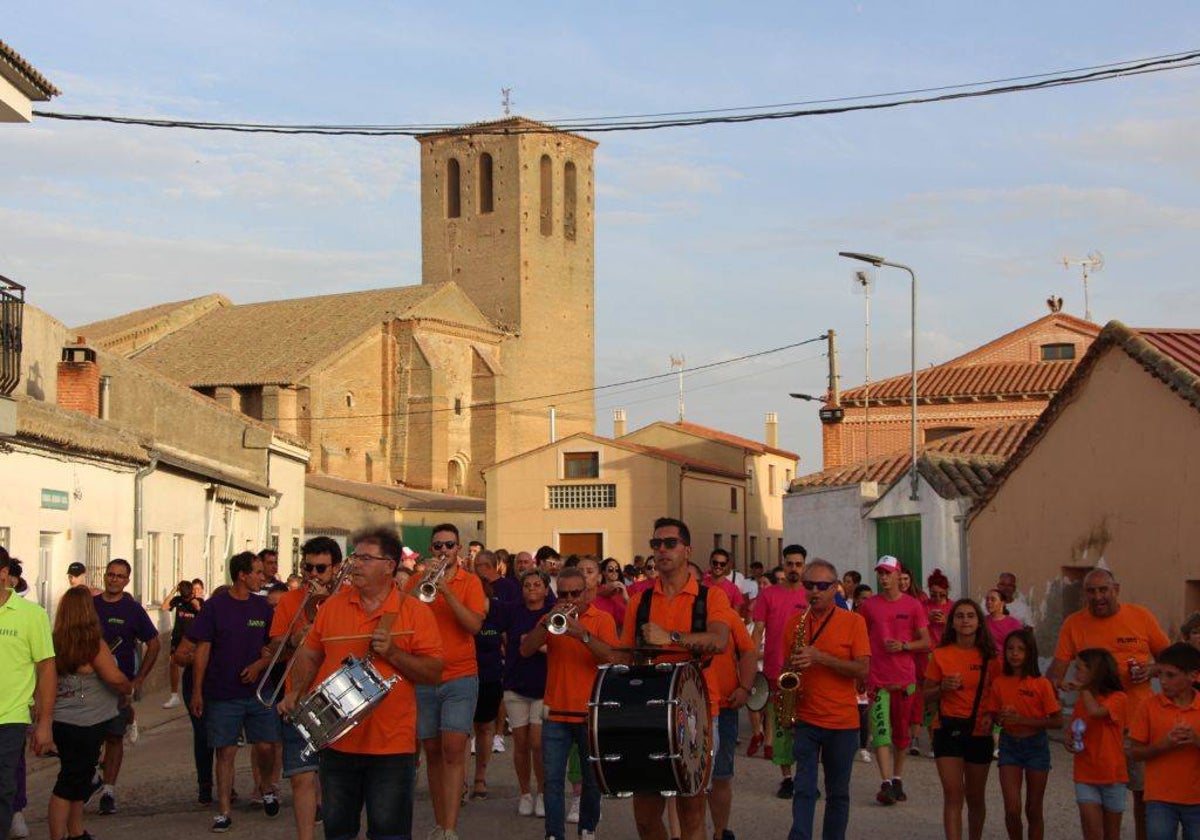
956	679
90	689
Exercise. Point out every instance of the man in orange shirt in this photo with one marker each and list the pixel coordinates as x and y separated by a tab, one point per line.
446	709
733	671
571	659
321	560
374	764
1132	634
672	597
832	656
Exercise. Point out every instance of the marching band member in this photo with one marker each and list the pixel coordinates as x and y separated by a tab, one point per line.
374	764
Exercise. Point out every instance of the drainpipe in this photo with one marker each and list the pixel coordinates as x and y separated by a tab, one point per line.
211	504
745	526
139	539
963	564
682	473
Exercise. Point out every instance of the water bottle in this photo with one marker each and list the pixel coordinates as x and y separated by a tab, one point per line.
1078	727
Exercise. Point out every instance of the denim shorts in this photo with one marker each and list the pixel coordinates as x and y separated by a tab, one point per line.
1029	753
226	720
293	745
449	707
1109	797
726	737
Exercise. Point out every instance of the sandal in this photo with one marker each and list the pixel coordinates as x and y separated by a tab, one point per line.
480	791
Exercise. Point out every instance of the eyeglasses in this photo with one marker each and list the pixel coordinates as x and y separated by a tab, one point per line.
569	593
669	542
319	568
819	585
438	546
116	576
362	558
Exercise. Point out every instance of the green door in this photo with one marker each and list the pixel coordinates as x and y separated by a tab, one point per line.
900	536
417	537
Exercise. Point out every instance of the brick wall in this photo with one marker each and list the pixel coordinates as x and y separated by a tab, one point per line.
79	387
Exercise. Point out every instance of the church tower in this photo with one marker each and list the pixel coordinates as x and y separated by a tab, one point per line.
507	213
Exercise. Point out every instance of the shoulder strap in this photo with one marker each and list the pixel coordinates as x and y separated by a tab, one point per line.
983	675
643	614
700	610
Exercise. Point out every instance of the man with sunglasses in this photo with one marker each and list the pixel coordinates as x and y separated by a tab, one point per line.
831	657
446	709
720	568
321	559
571	660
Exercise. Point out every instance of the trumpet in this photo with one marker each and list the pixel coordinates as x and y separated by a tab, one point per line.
557	623
791	683
427	589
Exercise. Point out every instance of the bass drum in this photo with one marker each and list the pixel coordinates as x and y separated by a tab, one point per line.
649	729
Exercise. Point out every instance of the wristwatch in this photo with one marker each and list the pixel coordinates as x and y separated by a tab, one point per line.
676	637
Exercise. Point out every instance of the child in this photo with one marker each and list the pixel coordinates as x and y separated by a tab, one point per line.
1025	705
1164	734
1097	740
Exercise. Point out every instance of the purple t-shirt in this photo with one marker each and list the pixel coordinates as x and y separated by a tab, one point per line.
899	620
489	658
125	623
526	675
237	630
506	589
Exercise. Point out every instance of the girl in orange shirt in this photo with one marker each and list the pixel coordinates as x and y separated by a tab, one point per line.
956	679
1025	706
1097	740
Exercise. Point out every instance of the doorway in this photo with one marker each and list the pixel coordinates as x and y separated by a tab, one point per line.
581	544
900	536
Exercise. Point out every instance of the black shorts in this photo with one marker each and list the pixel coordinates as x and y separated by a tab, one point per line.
487	705
78	752
973	749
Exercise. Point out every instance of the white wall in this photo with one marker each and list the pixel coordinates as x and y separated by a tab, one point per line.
941	538
287	476
830	523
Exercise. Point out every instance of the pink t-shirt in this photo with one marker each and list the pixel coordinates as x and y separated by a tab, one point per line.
936	630
736	598
773	607
638	585
1001	628
899	620
613	606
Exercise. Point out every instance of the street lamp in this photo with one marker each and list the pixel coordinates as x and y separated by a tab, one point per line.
877	262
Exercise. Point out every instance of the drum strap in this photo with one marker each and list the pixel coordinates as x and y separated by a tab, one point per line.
699	615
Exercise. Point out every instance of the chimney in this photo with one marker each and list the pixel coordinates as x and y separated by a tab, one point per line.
772	430
79	379
618	422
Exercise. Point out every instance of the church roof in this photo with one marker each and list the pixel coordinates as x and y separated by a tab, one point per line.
507	125
145	322
394	497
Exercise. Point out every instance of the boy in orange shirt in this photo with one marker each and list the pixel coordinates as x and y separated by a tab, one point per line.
1165	733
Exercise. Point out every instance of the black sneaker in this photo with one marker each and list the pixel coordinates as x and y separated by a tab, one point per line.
270	804
222	823
84	836
886	795
204	796
727	835
898	791
787	788
108	804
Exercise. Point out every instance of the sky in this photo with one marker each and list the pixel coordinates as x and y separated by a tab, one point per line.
712	242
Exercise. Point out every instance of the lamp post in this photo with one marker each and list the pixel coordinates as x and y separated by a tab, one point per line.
877	262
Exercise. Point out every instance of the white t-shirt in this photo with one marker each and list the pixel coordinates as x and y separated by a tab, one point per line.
745	585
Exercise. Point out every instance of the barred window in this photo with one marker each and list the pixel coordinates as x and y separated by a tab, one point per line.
578	496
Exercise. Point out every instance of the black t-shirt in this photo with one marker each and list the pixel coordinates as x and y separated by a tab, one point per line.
185	610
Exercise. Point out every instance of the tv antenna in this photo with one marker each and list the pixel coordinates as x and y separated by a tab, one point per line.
506	100
863	283
1090	264
677	363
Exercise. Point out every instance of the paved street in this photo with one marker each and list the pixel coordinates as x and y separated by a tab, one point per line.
157	794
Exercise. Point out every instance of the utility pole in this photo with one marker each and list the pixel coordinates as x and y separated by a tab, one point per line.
834	377
864	283
677	364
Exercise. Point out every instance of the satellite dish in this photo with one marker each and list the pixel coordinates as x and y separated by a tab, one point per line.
862	282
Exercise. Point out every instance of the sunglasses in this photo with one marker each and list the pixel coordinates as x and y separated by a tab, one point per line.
669	542
319	568
718	564
819	585
569	593
438	546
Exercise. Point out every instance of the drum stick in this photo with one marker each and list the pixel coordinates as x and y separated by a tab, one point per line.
365	636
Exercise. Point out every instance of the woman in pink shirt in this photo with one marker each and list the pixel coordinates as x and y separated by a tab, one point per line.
999	622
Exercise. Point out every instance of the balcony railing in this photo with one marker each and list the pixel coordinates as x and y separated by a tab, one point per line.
12	308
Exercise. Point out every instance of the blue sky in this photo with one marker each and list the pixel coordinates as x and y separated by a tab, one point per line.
711	242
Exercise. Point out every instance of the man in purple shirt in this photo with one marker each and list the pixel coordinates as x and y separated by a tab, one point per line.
125	624
231	633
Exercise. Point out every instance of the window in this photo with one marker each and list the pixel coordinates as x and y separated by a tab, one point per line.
458	405
1057	352
453	189
718	539
486	201
349	399
753	548
582	496
569	201
750	487
733	499
176	557
771	486
940	432
581	465
5	537
547	205
153	548
96	557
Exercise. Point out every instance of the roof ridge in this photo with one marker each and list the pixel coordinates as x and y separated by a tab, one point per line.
31	74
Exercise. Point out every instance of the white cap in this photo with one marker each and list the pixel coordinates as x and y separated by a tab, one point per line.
887	563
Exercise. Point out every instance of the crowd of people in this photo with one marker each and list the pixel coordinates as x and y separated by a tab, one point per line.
491	646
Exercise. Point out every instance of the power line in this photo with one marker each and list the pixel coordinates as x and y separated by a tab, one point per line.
682	119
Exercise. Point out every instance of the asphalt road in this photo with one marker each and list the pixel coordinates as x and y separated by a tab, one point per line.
157	796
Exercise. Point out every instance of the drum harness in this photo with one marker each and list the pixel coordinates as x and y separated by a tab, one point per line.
699	618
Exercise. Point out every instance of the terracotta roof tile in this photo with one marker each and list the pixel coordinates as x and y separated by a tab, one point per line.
18	70
108	331
956	476
508	125
74	431
1181	345
950	382
397	498
693	464
725	437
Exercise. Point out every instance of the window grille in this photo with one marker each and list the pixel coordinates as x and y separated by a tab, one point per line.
583	496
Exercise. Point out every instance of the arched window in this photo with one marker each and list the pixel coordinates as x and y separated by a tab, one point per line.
453	189
485	183
569	201
547	209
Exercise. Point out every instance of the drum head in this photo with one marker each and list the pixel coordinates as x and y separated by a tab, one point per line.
691	730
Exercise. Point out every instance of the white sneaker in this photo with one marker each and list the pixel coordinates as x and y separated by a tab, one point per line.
587	835
525	805
19	830
539	808
864	756
173	702
497	743
131	734
573	814
472	745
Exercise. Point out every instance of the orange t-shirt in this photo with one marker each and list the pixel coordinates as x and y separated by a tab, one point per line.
724	668
458	644
1029	697
968	664
675	613
571	667
392	726
1102	761
828	699
1133	633
1174	776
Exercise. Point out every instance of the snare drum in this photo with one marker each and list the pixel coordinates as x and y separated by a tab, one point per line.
340	703
649	729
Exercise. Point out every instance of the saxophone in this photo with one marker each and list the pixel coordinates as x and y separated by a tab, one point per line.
790	682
